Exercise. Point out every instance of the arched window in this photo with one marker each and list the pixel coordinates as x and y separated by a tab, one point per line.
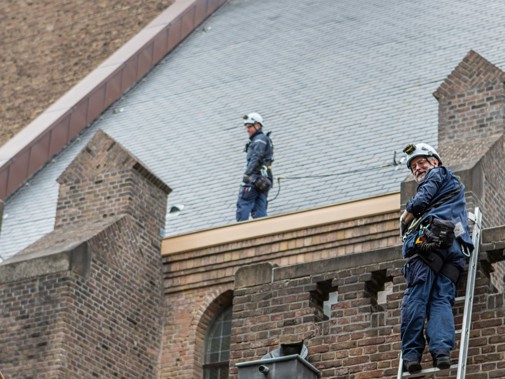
217	347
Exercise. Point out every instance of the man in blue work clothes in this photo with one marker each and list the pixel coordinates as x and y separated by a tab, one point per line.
435	242
257	179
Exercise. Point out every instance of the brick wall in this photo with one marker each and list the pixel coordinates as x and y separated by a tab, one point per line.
215	264
494	200
104	324
471	128
471	101
42	57
494	184
198	282
361	338
87	299
104	180
188	319
31	338
471	131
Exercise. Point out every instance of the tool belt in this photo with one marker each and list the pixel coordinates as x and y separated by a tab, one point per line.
433	236
436	263
263	184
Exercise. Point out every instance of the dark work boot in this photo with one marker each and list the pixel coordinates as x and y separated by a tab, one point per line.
412	366
443	362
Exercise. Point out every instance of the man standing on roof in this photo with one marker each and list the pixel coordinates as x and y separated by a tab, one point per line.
258	179
435	242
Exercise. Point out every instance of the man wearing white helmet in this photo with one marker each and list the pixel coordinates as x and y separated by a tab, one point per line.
435	242
258	178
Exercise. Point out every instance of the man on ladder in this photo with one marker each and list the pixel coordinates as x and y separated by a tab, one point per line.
435	241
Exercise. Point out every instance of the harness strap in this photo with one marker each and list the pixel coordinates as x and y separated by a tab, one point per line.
415	223
451	271
436	263
433	260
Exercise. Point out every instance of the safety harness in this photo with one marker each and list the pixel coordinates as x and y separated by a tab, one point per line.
440	236
415	223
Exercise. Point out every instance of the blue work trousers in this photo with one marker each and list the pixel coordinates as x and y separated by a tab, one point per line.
428	296
251	201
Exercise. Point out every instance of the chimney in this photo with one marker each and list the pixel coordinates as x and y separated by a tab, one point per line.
471	101
105	181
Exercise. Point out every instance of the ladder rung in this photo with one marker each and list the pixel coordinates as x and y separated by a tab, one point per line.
428	371
459	299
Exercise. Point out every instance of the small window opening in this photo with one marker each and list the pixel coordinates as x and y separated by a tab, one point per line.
382	296
378	288
322	299
332	299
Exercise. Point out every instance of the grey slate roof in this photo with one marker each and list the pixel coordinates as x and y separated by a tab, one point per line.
341	84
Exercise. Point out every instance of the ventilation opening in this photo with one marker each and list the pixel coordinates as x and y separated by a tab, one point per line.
494	269
322	299
378	288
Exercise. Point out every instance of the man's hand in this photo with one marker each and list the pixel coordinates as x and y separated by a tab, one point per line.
406	217
405	220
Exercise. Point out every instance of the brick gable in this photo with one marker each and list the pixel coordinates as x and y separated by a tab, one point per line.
471	101
86	300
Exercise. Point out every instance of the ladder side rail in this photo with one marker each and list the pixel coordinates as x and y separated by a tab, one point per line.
400	367
470	288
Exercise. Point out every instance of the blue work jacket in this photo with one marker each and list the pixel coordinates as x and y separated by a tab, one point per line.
440	184
259	153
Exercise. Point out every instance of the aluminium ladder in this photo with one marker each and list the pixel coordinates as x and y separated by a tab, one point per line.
467	313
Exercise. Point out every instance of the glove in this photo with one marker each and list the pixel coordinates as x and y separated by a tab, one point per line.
248	179
425	248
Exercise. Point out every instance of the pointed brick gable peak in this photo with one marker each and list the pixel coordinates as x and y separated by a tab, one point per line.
103	156
105	180
472	73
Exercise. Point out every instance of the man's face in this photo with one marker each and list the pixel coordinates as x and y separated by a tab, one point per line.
251	129
420	166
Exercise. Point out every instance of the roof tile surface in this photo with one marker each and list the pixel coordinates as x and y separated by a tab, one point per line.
341	85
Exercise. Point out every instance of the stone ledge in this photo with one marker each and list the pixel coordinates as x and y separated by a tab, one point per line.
253	275
338	263
76	258
495	235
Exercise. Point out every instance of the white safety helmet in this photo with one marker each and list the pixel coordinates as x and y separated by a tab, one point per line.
253	118
420	150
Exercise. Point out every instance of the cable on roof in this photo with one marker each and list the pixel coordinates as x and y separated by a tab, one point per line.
279	178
